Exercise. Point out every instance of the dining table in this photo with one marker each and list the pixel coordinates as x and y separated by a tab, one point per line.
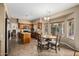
49	38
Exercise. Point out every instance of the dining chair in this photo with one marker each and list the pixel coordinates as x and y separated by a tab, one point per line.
42	44
55	43
75	51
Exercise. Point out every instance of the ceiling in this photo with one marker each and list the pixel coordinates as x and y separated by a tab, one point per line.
36	10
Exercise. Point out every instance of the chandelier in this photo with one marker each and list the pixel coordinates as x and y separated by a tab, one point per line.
46	18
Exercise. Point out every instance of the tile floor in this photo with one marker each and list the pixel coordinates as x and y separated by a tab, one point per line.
31	50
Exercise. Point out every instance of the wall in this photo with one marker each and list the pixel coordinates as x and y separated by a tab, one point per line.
77	28
2	28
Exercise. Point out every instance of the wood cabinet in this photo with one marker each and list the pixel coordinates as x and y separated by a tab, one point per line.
23	26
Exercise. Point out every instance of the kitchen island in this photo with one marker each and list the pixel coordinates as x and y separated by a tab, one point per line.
25	37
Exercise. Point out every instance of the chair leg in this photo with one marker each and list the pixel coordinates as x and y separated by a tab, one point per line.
74	53
56	49
48	46
39	48
59	47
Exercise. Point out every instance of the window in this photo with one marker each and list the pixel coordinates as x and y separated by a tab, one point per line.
61	28
70	29
54	29
57	28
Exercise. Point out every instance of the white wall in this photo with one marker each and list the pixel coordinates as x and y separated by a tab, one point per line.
77	28
2	28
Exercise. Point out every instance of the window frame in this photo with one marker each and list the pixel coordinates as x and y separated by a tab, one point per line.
70	32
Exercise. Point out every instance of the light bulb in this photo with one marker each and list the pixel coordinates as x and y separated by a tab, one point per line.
45	18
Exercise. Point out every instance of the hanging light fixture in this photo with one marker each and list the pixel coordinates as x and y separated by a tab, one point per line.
46	18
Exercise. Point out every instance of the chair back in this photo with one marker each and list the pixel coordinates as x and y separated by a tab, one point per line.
38	38
58	38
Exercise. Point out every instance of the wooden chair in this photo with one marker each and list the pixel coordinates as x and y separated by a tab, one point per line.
55	43
75	51
41	43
